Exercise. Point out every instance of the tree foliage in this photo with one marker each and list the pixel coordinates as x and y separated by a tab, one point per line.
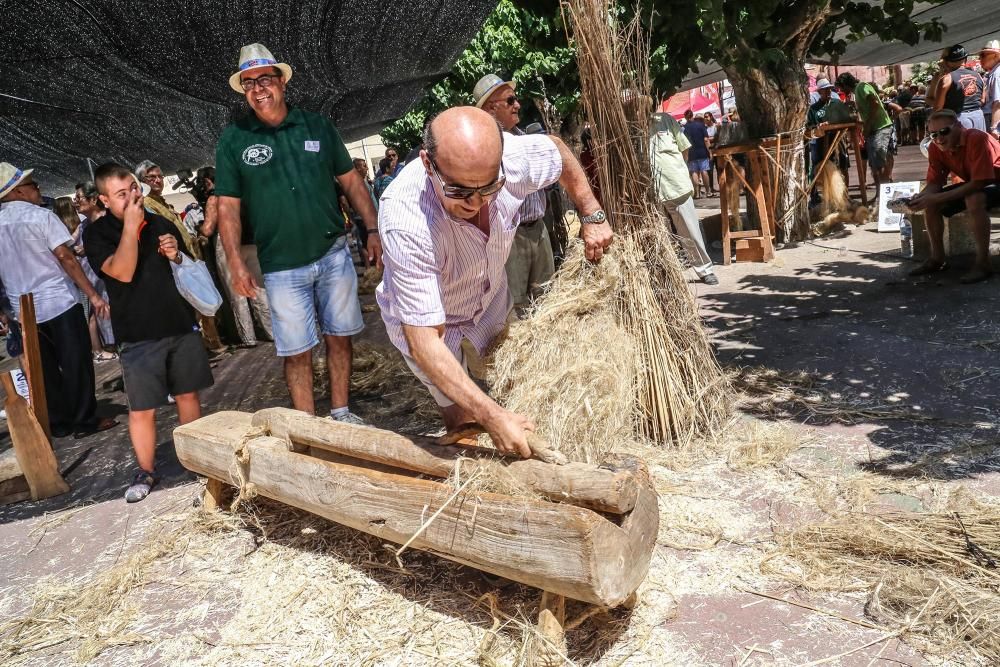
743	35
527	44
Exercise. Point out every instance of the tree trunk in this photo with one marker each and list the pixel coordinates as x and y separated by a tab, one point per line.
773	100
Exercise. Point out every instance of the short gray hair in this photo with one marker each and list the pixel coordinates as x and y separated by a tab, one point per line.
143	167
944	113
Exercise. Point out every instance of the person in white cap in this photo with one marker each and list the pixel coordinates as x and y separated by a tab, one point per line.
449	222
284	168
531	262
989	58
36	258
827	109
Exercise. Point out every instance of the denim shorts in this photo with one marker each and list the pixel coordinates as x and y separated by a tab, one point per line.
695	166
327	288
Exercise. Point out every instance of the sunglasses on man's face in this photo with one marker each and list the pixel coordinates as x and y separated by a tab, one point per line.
264	81
943	132
510	101
460	192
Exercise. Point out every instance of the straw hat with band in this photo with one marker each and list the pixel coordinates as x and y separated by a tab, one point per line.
253	56
823	84
992	46
486	86
11	177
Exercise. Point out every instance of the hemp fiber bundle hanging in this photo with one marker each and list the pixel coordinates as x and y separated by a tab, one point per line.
679	389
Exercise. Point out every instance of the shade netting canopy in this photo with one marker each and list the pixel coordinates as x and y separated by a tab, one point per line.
969	22
128	80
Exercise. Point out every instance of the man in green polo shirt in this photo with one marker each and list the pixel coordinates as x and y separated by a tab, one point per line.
283	169
876	125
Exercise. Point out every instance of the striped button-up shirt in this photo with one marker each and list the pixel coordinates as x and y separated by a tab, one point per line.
439	270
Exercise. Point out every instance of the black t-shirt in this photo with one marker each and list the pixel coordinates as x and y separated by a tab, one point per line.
966	91
149	307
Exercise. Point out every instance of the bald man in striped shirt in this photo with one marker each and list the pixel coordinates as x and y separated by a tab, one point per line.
447	226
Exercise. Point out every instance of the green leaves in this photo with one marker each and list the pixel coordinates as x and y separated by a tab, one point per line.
525	40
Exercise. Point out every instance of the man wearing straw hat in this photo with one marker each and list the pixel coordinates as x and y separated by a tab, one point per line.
989	58
531	262
448	223
35	258
284	169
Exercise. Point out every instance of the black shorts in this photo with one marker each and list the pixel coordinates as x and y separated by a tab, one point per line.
958	205
151	369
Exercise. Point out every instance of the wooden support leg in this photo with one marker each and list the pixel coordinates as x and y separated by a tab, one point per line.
214	491
550	646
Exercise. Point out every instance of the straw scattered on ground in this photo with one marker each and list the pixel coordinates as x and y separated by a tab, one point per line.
934	574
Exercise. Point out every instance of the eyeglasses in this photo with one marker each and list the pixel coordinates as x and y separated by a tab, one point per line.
264	81
943	132
460	192
510	101
391	155
153	177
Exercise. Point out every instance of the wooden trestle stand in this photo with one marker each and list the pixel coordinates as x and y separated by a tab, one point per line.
589	536
32	472
761	183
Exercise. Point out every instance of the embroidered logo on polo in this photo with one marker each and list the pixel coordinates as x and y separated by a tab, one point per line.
257	154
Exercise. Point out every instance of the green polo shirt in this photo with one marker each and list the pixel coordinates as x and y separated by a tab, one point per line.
285	178
864	93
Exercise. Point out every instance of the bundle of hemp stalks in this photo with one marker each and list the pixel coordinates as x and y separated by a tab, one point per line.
616	351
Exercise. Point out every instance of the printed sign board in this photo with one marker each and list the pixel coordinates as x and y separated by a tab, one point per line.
887	220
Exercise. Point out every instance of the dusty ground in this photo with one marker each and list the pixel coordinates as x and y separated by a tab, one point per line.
291	589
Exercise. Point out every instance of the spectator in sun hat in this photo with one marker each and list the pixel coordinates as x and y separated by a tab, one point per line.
283	168
530	264
36	258
989	58
959	88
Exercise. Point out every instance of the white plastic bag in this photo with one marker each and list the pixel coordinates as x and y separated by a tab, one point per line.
195	284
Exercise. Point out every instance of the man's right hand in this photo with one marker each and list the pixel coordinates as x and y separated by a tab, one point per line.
243	282
134	213
509	432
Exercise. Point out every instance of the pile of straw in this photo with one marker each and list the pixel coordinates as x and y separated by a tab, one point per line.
585	403
679	389
837	207
381	377
931	574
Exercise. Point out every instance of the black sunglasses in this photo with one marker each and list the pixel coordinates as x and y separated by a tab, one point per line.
943	132
460	192
510	100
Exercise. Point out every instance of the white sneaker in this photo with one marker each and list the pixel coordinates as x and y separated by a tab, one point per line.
349	418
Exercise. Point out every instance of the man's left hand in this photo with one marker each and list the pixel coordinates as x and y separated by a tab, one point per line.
921	201
168	247
596	239
374	246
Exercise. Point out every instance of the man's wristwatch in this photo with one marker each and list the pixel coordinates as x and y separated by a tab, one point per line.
595	218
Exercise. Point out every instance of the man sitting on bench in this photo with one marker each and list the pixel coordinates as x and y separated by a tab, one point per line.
973	156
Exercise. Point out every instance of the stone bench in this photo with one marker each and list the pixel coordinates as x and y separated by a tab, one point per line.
958	239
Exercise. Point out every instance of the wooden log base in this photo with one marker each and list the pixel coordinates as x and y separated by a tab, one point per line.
567	550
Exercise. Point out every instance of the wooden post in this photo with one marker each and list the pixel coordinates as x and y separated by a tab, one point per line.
213	498
862	174
724	204
33	370
32	449
550	645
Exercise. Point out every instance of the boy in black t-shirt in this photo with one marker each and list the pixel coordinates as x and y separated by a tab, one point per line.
160	348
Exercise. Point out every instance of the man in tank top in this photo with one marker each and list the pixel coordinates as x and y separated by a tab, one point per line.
960	89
